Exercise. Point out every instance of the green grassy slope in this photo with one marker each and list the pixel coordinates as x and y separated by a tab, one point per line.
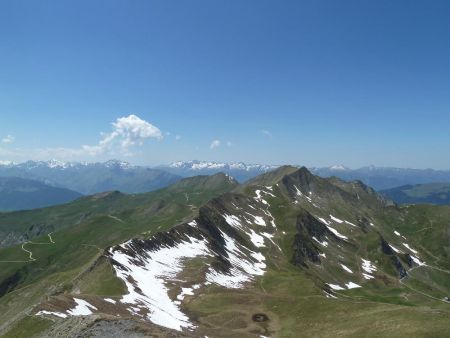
291	294
80	240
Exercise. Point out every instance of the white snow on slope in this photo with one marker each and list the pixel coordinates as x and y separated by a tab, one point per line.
57	314
149	272
397	233
243	270
346	268
109	300
395	249
82	308
256	239
259	197
350	223
297	190
409	248
351	285
367	266
324	221
233	221
337	233
367	276
257	219
417	260
185	292
336	219
335	286
324	243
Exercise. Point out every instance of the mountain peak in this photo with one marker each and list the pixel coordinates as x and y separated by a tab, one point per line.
338	167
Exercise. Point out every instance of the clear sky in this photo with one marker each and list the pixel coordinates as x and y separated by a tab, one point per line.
307	82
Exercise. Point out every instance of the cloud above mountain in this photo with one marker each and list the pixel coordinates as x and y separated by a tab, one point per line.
8	139
128	132
215	144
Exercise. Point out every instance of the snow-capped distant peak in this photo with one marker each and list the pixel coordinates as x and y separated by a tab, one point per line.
338	167
211	165
6	163
117	163
57	164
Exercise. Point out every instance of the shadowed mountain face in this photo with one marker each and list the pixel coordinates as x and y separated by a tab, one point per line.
18	194
90	178
209	257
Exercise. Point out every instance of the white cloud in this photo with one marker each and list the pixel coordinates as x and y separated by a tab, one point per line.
177	137
127	132
229	144
8	139
266	133
214	144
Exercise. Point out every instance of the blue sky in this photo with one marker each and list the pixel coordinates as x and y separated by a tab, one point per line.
305	82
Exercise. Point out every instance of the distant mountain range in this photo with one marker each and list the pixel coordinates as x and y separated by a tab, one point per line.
381	178
432	193
378	178
19	194
90	178
238	170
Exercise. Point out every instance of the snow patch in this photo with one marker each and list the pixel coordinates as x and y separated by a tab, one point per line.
417	260
57	314
367	276
350	223
346	268
334	231
185	292
336	219
145	275
409	248
395	249
335	286
242	270
82	308
367	266
256	239
351	285
324	243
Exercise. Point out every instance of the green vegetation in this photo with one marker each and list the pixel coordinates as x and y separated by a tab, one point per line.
291	295
86	228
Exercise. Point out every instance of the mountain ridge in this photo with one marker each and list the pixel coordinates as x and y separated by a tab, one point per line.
285	242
